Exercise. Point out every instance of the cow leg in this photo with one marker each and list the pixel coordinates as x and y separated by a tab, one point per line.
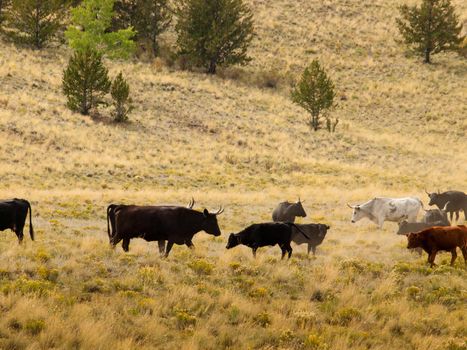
453	256
20	236
254	251
457	215
126	245
168	248
380	224
289	250
309	249
115	240
314	250
190	244
161	245
451	215
464	253
284	250
431	258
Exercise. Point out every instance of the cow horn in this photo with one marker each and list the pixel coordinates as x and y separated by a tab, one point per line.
220	211
192	203
438	191
426	191
445	207
350	206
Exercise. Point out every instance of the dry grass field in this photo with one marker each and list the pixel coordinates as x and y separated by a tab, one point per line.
231	140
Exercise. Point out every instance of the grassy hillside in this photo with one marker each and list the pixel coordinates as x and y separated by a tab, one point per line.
231	141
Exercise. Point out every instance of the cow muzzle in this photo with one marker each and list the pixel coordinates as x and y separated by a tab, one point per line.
352	221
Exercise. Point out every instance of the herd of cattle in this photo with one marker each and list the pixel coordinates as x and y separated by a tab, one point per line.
169	225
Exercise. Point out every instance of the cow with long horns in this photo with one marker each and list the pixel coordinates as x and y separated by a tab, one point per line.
286	211
382	209
457	202
111	221
176	225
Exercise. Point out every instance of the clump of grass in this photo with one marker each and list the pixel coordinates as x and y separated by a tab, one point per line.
34	326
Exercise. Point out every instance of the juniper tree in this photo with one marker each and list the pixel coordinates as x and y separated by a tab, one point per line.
85	81
315	93
214	32
91	21
431	28
120	92
34	22
149	18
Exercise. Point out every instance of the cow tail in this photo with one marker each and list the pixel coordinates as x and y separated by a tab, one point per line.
31	229
109	208
299	229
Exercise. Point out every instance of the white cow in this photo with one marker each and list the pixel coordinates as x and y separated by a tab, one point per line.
382	209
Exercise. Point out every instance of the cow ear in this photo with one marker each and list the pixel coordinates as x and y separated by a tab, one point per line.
205	212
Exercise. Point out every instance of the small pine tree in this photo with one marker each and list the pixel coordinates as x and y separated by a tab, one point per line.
214	32
90	29
315	93
85	81
35	22
431	28
149	18
120	92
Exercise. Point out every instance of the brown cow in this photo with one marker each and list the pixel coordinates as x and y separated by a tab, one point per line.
437	238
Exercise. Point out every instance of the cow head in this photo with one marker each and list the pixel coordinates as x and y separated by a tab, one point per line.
210	224
437	215
437	199
323	229
297	209
402	227
233	241
357	213
413	240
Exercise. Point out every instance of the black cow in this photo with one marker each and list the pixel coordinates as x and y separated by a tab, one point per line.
265	234
316	232
286	212
407	227
111	220
13	213
436	216
457	202
162	223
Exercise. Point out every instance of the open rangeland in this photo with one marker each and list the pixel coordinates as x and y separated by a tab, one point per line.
233	140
